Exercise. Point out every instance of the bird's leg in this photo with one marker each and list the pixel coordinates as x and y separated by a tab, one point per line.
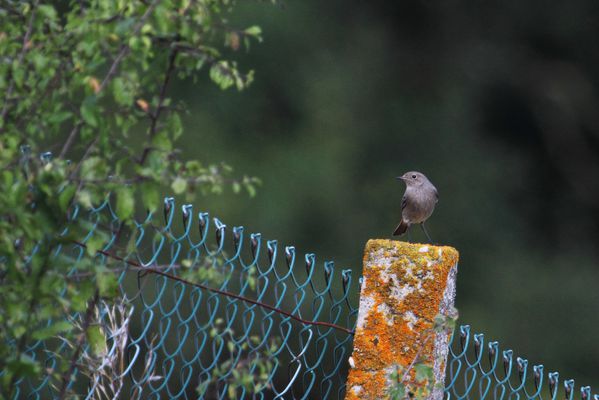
426	233
409	235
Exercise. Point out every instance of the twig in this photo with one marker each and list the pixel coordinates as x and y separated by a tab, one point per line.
220	291
118	270
140	178
156	114
405	375
66	378
124	181
70	139
167	76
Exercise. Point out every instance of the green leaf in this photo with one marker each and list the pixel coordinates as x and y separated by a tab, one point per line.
81	294
65	197
253	30
122	92
150	195
424	372
251	189
398	392
125	203
84	198
52	330
58	117
96	339
95	243
24	366
87	110
176	126
179	185
162	142
108	284
93	168
202	387
18	73
47	11
222	74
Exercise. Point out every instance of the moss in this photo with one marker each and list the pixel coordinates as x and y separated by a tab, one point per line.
400	278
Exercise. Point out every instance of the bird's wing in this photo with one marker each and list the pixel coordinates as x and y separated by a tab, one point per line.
404	202
436	196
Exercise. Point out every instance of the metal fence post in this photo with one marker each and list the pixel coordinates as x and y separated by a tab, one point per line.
405	286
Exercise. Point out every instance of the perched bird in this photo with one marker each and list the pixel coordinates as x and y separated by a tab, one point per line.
418	202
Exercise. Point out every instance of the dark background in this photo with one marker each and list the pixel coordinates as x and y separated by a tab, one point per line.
496	102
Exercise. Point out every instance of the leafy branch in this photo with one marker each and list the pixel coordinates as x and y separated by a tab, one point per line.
88	79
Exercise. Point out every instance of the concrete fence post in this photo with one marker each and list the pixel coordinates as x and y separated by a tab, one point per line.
405	286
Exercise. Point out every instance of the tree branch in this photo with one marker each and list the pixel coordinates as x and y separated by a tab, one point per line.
156	114
70	139
125	47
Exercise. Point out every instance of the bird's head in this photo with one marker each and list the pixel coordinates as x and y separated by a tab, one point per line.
413	178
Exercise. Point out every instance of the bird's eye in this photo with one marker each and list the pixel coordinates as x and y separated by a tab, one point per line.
413	176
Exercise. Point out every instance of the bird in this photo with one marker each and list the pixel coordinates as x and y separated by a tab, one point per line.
418	202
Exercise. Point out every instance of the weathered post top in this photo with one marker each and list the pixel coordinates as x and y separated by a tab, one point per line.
405	286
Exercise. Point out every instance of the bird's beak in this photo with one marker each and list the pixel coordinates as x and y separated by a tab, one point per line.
400	178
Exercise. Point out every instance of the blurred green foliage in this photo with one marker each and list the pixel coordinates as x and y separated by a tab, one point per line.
495	102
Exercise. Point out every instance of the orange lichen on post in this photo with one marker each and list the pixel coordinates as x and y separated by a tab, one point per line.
405	286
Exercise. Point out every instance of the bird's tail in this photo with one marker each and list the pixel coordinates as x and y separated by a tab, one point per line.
401	228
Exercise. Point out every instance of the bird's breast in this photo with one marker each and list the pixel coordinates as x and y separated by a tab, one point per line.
419	205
